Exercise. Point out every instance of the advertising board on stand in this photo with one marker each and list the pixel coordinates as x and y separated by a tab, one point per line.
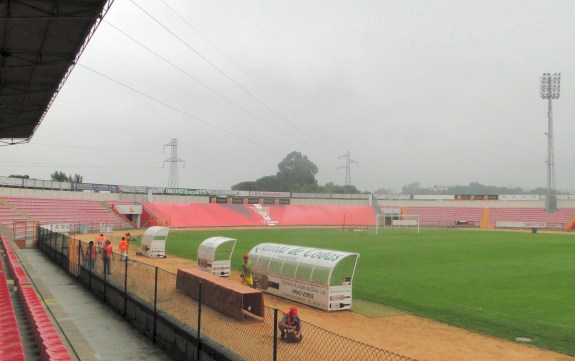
316	277
12	182
94	187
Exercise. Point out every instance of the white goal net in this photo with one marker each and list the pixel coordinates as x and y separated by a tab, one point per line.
397	222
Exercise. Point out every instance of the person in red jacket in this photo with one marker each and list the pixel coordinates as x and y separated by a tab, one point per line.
107	256
290	326
91	255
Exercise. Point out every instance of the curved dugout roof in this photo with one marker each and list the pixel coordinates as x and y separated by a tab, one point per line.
320	266
40	42
217	248
155	233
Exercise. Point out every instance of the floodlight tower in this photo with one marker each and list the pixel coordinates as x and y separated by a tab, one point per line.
550	89
347	166
173	160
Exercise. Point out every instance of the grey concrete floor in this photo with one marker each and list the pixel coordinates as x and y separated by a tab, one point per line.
92	330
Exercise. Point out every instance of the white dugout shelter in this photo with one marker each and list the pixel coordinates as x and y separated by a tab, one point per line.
317	277
215	254
154	242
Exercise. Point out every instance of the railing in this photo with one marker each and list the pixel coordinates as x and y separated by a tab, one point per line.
146	296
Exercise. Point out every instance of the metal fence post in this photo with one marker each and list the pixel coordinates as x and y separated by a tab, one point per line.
91	272
105	279
79	255
275	334
55	249
66	249
155	305
125	286
199	320
62	251
52	245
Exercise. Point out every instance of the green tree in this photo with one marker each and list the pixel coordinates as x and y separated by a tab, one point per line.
473	188
77	179
19	176
59	176
269	183
412	188
339	189
383	191
245	186
297	173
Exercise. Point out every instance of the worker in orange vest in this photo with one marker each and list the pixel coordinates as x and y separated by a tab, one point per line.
123	249
100	239
107	256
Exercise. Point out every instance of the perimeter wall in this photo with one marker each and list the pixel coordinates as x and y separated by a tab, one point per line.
109	192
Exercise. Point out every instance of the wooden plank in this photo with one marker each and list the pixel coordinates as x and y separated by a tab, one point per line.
222	294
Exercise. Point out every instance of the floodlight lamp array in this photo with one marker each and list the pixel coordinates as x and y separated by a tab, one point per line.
550	85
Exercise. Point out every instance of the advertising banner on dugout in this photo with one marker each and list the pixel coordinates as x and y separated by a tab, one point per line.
317	277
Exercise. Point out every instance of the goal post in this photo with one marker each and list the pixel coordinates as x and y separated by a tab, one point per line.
406	221
396	221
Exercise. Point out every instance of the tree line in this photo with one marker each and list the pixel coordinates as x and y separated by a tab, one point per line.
57	176
471	188
296	173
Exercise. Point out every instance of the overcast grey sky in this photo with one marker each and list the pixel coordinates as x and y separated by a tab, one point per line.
441	92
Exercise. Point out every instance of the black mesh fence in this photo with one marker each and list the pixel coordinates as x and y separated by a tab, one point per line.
322	344
131	282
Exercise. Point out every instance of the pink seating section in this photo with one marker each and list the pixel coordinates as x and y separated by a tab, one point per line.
446	216
230	215
60	210
8	216
556	219
47	338
73	211
10	340
16	269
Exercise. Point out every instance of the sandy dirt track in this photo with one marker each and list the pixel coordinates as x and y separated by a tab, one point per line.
400	333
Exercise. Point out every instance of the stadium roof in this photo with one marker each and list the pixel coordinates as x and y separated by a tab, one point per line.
40	42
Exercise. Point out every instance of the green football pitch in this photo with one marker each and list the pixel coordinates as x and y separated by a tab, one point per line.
505	284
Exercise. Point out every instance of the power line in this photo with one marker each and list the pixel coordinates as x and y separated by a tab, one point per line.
178	110
224	73
266	91
199	81
83	165
93	148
